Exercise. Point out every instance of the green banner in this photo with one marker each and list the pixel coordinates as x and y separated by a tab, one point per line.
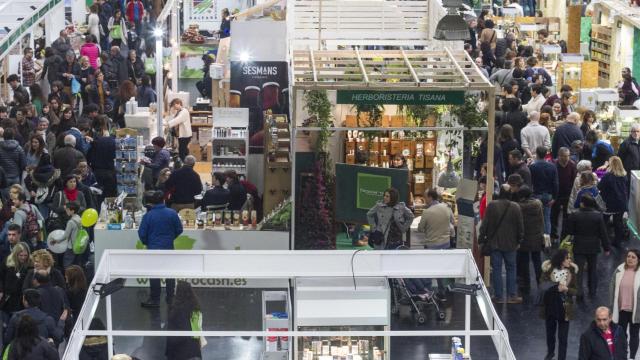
400	97
371	189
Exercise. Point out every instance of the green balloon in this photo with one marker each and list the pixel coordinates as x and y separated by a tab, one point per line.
183	242
140	245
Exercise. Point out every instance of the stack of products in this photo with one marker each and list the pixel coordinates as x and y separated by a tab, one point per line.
127	164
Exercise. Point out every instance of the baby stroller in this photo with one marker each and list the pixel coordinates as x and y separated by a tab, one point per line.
400	295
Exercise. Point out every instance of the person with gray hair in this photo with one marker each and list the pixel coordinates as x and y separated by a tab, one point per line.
186	183
629	151
583	166
68	71
67	158
604	339
567	172
566	133
48	136
534	135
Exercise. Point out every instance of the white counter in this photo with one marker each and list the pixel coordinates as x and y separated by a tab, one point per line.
201	239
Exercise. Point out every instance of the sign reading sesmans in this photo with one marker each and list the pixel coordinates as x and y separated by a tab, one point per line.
400	97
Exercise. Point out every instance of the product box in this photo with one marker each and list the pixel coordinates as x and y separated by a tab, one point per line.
386	121
396	147
195	150
430	148
351	121
397	121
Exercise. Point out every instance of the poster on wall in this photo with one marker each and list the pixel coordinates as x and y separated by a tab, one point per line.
259	86
207	13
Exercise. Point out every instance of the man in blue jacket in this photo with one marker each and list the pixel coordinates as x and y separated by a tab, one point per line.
158	229
544	177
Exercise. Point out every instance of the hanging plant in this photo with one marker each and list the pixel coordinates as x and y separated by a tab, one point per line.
418	114
468	114
318	106
374	111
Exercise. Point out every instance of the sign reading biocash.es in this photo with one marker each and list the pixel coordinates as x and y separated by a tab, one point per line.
400	97
371	189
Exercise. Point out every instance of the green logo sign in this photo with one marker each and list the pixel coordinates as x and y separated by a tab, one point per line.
371	189
400	97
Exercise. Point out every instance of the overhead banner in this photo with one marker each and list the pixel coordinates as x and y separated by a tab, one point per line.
208	13
400	97
259	86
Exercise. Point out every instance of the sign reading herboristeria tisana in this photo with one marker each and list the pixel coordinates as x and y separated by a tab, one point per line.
400	97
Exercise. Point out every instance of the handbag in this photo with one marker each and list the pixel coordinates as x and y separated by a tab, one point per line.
485	247
376	238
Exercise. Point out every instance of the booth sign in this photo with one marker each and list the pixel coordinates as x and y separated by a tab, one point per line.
400	97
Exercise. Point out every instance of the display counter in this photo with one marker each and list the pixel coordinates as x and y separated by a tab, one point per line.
195	239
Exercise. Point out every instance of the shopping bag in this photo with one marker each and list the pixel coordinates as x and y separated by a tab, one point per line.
150	66
75	86
116	32
567	244
81	242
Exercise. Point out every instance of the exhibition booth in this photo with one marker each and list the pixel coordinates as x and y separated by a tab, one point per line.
312	304
27	23
355	111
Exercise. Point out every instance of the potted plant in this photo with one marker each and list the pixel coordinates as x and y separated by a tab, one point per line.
369	115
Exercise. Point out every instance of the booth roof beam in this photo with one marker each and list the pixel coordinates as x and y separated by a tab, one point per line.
362	68
477	73
457	66
410	67
313	64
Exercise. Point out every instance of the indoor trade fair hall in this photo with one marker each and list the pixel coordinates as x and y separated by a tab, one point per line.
319	180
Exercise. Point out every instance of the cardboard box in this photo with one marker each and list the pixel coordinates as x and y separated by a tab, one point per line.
396	147
397	121
351	121
195	150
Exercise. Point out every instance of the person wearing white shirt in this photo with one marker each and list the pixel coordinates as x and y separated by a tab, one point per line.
517	6
537	99
534	135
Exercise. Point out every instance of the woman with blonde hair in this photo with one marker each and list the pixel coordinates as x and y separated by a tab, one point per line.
614	191
12	273
43	260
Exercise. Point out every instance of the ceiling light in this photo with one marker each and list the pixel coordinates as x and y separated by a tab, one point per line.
452	27
448	179
158	32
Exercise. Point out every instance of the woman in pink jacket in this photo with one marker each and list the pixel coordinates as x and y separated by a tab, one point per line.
91	50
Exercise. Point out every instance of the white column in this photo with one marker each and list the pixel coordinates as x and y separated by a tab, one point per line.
159	84
54	22
79	11
175	47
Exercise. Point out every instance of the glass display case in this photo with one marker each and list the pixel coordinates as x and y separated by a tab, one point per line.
342	304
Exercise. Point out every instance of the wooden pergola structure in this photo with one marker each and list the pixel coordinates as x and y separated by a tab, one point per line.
386	70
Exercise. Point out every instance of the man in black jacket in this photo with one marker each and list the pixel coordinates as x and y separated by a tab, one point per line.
589	237
54	301
629	151
604	339
184	183
48	328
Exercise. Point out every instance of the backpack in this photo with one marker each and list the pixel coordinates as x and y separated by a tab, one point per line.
31	227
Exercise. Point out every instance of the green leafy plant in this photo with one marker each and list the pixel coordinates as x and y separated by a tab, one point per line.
419	113
375	111
317	104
